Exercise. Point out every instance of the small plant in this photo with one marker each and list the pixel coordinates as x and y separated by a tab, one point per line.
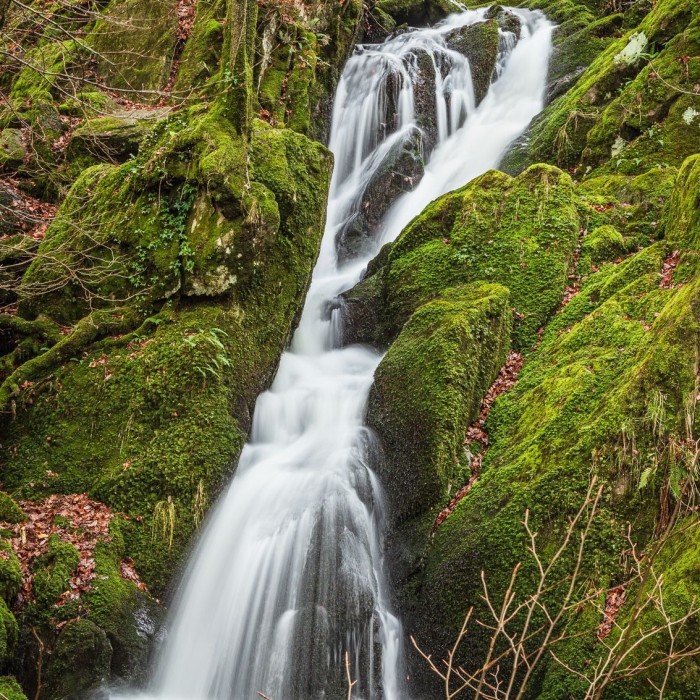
199	504
216	364
164	520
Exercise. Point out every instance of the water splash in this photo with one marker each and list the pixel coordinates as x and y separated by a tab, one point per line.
288	574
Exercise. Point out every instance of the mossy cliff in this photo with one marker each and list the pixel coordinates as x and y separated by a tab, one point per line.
147	317
622	237
610	364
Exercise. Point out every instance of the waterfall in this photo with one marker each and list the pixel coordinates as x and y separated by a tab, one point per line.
288	574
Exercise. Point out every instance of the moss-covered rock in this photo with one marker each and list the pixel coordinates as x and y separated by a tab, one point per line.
110	139
520	233
479	43
53	571
427	391
10	572
626	112
11	689
602	245
9	631
170	415
79	662
12	148
129	617
148	28
621	342
10	512
200	57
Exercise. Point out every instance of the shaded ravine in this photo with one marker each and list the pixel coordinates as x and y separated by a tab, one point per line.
288	574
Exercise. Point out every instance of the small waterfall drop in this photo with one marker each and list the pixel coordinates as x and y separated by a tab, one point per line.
288	575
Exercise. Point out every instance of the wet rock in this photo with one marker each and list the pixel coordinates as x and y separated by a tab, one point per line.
425	101
558	87
479	43
400	171
412	12
507	21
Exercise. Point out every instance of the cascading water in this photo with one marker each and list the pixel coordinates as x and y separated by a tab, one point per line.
288	575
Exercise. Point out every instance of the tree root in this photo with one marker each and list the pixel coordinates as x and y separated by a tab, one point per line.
41	329
97	324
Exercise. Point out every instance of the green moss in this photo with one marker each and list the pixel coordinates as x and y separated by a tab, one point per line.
79	662
53	571
579	401
9	632
428	388
148	28
10	572
681	222
200	57
164	411
10	512
604	244
479	43
11	689
519	232
129	617
592	106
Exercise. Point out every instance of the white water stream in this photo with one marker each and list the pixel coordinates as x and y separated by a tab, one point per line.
288	573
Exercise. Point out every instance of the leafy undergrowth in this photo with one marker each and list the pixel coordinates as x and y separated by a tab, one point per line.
74	519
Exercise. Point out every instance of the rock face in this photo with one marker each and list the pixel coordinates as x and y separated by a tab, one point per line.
399	172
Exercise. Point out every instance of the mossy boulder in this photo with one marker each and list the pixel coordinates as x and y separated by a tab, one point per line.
53	571
79	663
200	57
163	411
519	232
110	139
427	391
603	245
10	573
9	632
479	43
681	222
129	617
10	512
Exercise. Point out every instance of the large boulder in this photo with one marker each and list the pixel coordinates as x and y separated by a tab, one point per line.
113	138
80	661
427	390
519	232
